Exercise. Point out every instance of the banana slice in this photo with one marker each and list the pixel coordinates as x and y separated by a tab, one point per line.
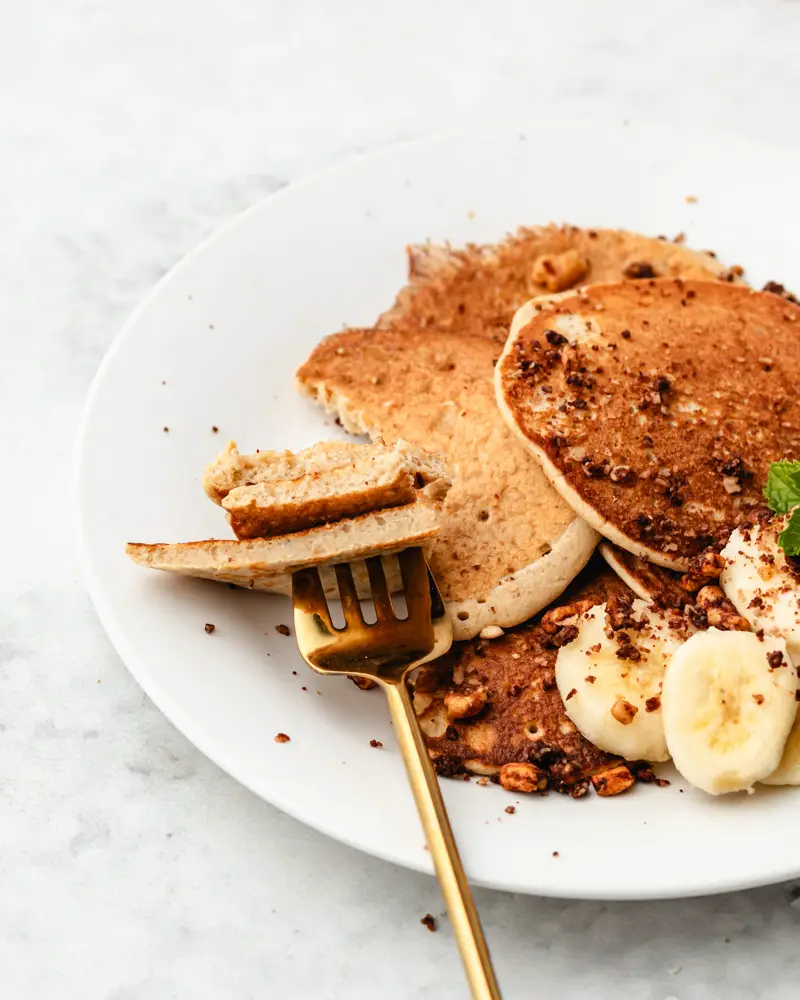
728	706
788	771
763	585
611	687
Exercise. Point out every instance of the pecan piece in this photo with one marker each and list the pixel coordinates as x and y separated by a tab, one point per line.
466	703
553	620
704	568
520	777
614	781
559	271
720	612
623	711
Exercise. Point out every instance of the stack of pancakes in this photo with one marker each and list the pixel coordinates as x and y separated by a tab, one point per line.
577	384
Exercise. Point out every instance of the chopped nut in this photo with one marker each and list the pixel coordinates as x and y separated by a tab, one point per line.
282	738
614	781
775	660
622	474
464	704
705	567
518	777
652	704
639	269
511	810
209	627
283	629
552	620
429	921
623	711
560	271
720	612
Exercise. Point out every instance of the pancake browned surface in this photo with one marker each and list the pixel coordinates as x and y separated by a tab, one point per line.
509	684
508	543
656	406
648	581
478	289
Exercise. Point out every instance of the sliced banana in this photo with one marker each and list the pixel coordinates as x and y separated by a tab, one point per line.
728	706
616	701
788	771
763	585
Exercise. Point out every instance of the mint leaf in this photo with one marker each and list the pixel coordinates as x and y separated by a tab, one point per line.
789	538
783	486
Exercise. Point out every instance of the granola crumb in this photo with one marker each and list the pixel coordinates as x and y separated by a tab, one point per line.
376	744
282	738
429	921
511	810
691	199
283	629
209	627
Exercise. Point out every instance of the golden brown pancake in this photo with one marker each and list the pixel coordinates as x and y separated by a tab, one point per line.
656	407
508	543
648	581
478	289
523	719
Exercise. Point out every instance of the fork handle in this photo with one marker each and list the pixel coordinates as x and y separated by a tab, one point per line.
441	843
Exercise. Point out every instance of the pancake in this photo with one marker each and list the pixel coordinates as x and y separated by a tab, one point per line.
522	718
287	493
656	407
477	290
268	563
648	581
508	544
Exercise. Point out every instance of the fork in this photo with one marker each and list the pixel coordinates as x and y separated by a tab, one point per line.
386	651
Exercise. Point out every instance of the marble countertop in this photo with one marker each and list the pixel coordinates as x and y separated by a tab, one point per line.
131	867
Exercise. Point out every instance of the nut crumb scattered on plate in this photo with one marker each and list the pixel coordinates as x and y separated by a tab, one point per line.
429	921
375	743
283	629
282	738
209	627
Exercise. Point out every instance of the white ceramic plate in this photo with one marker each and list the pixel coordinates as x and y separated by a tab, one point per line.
216	343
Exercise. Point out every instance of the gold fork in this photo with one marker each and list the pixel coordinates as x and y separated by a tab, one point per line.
386	651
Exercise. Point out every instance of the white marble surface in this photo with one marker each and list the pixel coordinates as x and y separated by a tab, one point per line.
130	867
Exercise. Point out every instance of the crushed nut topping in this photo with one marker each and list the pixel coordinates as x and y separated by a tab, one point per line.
614	781
639	269
558	272
519	777
466	703
720	612
703	568
623	711
775	660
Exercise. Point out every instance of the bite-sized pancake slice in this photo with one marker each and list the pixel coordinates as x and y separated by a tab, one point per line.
648	581
477	290
656	407
491	703
508	544
268	563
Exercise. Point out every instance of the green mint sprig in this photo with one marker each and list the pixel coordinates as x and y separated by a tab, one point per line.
783	495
